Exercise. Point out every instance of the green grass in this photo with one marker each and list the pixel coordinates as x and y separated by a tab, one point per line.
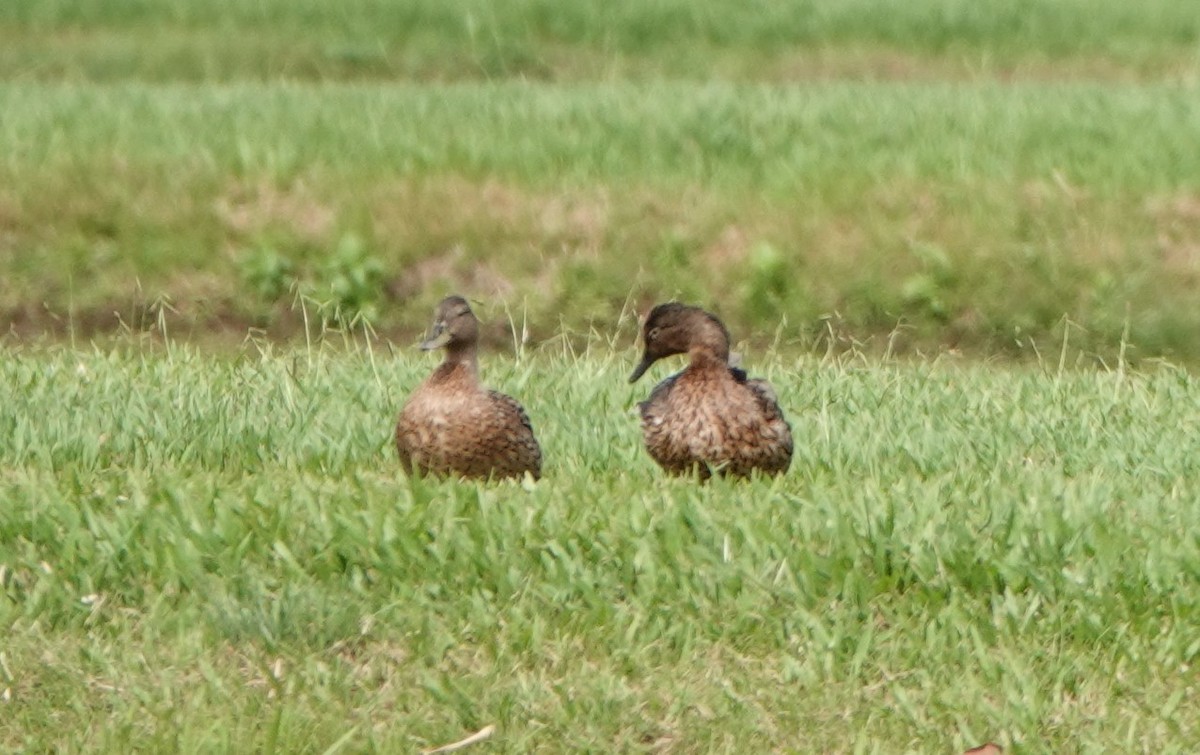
911	176
215	550
456	39
204	553
826	138
978	216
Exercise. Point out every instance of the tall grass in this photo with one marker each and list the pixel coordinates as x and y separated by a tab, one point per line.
204	553
823	139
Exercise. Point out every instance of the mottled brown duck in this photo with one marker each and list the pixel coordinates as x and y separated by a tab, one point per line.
710	418
453	426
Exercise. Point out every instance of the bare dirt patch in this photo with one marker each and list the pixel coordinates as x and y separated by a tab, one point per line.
1176	221
247	210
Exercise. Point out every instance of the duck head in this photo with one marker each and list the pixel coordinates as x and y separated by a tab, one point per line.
454	327
675	328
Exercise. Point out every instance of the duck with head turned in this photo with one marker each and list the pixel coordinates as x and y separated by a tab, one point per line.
709	418
453	426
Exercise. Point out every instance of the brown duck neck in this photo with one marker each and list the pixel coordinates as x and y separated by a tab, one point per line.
709	342
705	358
460	361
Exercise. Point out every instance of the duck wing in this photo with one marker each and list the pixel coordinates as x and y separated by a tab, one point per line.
763	393
658	395
523	447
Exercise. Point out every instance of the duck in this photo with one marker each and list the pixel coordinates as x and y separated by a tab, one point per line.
710	418
453	426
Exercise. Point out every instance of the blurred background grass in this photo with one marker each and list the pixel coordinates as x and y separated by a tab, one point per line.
918	175
172	40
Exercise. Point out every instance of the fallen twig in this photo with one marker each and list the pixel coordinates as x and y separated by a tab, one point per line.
478	736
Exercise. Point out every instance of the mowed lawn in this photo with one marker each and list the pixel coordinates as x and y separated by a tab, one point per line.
204	553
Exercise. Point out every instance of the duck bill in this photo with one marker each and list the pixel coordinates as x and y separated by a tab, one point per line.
437	338
640	370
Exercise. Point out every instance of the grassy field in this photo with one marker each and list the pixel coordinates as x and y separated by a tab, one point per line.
205	540
867	205
203	554
931	174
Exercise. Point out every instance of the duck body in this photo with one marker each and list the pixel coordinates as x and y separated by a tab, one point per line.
714	419
453	426
709	418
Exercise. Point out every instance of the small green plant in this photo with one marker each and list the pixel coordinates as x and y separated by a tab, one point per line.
351	284
268	273
768	284
925	291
